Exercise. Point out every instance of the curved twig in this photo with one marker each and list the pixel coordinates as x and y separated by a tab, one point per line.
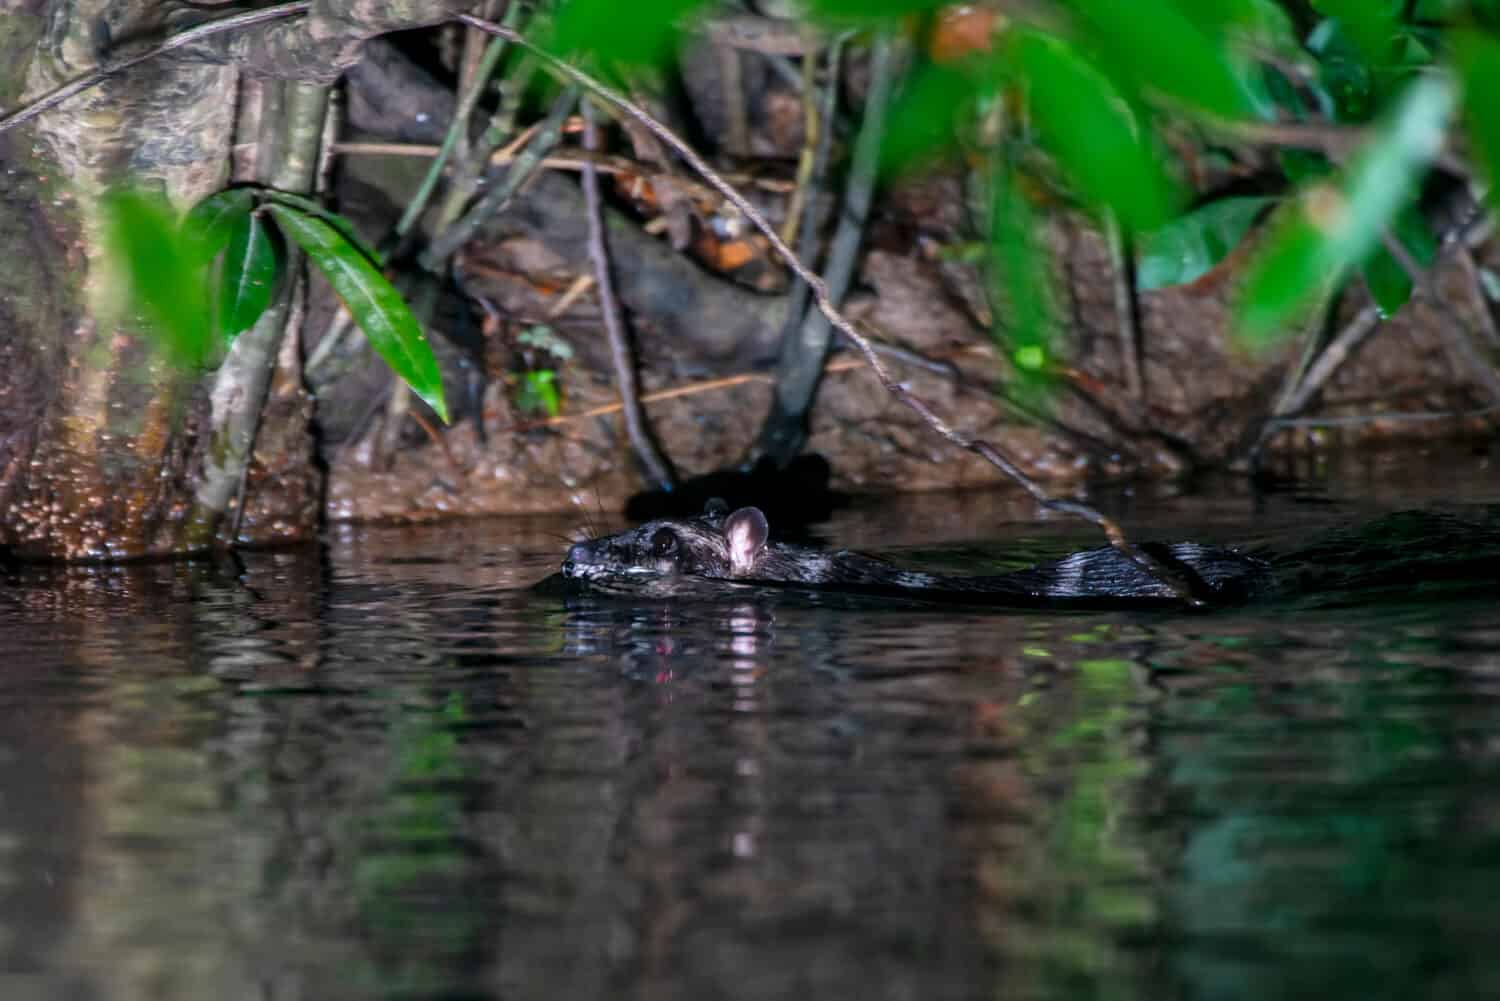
619	349
1112	531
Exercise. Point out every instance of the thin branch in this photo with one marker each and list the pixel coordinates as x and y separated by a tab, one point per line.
619	348
458	128
93	78
498	197
1112	531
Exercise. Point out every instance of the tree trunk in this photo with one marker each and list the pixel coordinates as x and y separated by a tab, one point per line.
103	446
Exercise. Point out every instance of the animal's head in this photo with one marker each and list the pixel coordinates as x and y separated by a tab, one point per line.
716	545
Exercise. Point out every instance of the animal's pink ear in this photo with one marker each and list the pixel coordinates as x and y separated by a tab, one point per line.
747	531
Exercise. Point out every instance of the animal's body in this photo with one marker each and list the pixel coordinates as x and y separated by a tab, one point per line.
674	556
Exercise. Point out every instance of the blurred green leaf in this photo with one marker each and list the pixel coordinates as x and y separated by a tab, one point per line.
865	10
1094	133
162	274
1019	271
1372	25
1198	74
209	223
373	302
1281	281
247	275
645	34
924	118
1389	284
1261	19
1478	61
1186	248
1332	229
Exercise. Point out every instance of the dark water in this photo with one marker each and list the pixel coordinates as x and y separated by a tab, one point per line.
381	768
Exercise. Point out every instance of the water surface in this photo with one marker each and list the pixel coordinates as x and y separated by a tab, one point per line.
384	768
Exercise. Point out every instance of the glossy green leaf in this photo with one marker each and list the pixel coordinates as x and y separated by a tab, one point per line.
645	34
1199	72
1334	229
160	274
1186	248
1389	284
1094	133
342	225
209	223
247	276
1478	59
373	302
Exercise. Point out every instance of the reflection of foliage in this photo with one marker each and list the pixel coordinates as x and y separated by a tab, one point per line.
414	881
1099	890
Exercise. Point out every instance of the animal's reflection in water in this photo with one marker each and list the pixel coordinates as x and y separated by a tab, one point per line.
662	641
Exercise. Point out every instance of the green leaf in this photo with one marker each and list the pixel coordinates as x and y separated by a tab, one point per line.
1020	273
373	302
343	226
209	223
1372	25
924	117
645	35
1189	246
247	276
1389	284
161	275
1334	229
1198	72
1478	60
539	392
1093	132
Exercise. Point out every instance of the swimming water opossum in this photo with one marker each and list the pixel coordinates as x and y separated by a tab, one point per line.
672	556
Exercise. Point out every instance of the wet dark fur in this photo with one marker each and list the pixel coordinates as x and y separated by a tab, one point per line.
675	556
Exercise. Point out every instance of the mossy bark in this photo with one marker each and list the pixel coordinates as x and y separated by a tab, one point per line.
103	447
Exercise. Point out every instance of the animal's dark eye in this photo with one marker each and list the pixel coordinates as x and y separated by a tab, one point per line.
663	542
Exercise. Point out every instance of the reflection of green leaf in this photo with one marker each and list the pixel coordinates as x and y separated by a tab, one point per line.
373	302
1094	133
247	275
1188	246
1334	229
646	34
163	274
1389	284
